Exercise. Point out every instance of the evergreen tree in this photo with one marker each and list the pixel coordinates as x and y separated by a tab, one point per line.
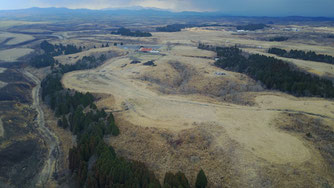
65	122
60	123
201	181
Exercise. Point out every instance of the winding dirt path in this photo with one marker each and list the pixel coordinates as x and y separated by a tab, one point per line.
51	140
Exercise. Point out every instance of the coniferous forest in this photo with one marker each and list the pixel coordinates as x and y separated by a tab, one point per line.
251	27
299	54
274	73
127	32
50	50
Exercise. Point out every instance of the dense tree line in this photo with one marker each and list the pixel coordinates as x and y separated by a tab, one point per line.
50	50
179	27
251	27
174	27
55	50
279	39
299	54
330	36
274	73
94	163
127	32
43	60
206	47
87	62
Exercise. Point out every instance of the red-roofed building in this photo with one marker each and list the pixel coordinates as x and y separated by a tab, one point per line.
145	49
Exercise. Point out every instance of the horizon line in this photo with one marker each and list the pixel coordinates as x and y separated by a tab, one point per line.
133	8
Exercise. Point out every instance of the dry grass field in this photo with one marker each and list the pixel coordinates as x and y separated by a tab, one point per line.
184	113
5	24
320	69
73	58
14	38
14	54
191	117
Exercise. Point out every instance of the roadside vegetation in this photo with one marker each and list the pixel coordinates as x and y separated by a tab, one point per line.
299	54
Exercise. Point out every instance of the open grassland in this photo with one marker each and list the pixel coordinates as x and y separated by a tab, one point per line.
178	109
317	68
96	52
229	38
14	38
183	113
5	24
250	44
2	70
2	84
13	54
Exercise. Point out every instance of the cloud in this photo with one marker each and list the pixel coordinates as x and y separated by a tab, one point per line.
175	5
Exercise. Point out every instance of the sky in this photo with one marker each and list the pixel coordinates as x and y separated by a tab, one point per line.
230	7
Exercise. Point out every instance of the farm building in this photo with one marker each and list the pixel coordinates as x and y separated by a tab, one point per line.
142	49
147	50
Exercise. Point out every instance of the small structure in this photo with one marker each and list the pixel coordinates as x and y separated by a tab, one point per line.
154	51
148	50
142	49
220	73
291	29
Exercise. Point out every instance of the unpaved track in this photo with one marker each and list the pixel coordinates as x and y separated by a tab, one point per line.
50	164
2	131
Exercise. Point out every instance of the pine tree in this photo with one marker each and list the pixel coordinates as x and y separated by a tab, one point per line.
201	180
60	123
65	122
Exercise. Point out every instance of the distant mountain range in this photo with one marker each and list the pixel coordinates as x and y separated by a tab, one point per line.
40	14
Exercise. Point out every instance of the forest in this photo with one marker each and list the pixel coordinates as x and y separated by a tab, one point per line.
127	32
251	27
278	39
330	36
87	62
179	27
43	60
92	161
274	73
55	50
50	50
299	54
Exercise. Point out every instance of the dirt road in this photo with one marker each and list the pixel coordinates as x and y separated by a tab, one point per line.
51	140
2	131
